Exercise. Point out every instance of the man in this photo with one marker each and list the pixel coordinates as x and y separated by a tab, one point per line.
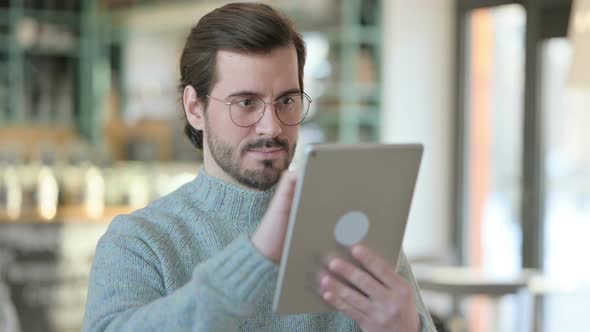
204	258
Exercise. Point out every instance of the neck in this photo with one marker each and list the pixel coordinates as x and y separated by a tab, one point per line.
228	202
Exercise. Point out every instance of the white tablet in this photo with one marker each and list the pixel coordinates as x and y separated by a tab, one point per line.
347	194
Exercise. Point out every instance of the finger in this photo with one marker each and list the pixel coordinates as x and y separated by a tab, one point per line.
283	197
358	278
286	183
270	234
346	294
344	307
289	178
376	265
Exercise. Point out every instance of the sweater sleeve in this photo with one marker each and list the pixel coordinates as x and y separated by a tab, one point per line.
127	293
405	271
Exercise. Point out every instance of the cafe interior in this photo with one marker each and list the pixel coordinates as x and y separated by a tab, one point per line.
497	92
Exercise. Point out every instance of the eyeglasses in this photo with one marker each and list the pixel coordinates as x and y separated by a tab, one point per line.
291	109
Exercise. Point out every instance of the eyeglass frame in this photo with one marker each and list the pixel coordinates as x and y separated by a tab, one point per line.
229	103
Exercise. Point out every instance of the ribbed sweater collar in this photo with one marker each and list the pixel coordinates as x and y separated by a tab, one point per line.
229	202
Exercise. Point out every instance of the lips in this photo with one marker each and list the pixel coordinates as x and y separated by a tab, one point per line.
266	150
266	153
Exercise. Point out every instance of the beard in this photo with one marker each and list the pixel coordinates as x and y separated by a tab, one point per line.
228	158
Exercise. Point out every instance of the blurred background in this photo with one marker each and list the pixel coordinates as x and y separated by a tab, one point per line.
498	91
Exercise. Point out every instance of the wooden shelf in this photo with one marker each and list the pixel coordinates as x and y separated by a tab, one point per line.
69	215
31	137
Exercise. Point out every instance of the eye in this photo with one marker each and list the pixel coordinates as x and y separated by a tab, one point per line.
286	100
246	102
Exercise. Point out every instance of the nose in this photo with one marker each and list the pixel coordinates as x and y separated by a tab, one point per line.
269	125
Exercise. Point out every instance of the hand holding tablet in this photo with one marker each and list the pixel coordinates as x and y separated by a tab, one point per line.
346	195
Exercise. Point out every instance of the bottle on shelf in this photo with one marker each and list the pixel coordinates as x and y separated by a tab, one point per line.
12	193
94	194
47	193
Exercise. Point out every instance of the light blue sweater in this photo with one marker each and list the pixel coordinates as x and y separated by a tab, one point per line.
185	263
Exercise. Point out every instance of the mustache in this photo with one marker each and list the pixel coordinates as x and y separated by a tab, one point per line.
267	143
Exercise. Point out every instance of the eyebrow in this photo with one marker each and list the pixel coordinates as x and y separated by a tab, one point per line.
253	93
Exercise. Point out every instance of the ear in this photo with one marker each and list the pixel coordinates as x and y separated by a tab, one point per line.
193	108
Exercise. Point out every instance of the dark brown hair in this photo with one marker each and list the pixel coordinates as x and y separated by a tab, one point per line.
247	27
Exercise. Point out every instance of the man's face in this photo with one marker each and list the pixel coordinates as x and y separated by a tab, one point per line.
252	156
